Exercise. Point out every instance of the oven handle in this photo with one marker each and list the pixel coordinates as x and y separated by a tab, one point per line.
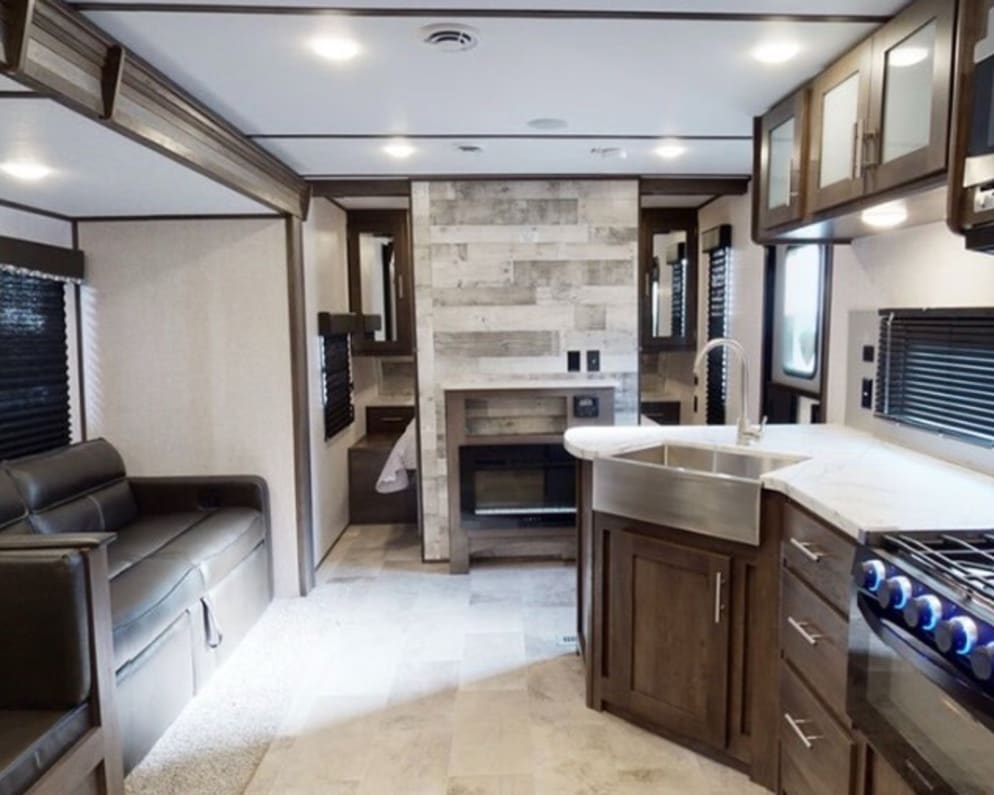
929	663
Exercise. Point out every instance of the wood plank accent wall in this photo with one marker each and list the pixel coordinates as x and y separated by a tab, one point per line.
509	276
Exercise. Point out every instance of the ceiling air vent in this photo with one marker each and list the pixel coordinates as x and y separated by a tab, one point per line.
450	37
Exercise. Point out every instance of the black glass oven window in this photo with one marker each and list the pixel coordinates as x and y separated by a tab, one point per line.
718	305
34	365
339	413
936	371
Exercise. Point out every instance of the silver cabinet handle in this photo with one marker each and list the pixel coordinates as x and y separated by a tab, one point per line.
802	630
400	287
797	725
859	146
805	547
719	583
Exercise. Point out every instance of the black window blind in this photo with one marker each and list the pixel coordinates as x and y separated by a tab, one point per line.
717	380
679	291
339	413
34	365
936	371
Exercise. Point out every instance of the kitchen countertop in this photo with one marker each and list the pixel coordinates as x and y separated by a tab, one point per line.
851	479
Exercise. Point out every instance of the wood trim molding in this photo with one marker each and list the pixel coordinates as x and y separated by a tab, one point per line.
54	50
320	136
301	405
694	186
341	188
64	263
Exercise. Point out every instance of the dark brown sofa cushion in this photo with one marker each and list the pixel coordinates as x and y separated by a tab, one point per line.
45	662
78	489
218	542
13	511
147	535
32	741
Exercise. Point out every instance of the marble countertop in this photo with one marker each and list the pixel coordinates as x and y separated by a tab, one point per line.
850	479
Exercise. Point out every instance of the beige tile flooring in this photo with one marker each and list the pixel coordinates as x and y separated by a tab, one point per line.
431	684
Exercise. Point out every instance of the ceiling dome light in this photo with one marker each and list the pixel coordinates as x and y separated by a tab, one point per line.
885	216
26	170
399	149
776	52
548	124
670	150
336	48
907	56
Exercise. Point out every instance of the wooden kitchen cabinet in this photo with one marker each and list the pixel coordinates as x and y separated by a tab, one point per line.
782	140
881	778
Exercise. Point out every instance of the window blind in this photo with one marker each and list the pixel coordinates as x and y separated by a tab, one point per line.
717	380
339	413
34	365
679	290
936	371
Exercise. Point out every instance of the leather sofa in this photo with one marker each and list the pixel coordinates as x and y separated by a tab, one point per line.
190	570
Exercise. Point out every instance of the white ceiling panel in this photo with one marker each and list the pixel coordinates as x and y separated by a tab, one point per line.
96	172
862	7
6	84
365	157
604	77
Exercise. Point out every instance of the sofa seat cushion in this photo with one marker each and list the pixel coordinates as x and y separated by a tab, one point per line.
146	598
219	542
31	741
13	511
146	536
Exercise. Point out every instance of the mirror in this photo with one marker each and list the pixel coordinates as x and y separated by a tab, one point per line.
669	279
380	279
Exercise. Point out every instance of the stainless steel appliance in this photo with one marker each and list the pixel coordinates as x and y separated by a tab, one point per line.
921	657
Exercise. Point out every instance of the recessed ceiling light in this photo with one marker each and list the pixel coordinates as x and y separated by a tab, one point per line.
336	48
670	150
547	124
776	52
885	216
907	56
399	149
27	170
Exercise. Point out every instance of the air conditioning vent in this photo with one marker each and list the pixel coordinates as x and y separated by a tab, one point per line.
449	37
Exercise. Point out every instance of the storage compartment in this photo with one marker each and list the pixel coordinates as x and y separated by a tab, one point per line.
818	555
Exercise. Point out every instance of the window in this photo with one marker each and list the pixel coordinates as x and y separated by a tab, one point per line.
336	378
936	371
34	365
801	276
717	243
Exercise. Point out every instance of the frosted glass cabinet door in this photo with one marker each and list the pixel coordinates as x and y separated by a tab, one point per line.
779	172
907	132
839	117
781	164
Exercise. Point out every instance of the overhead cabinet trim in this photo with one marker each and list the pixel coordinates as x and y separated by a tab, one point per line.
54	50
42	259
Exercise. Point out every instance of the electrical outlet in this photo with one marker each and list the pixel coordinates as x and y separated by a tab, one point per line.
573	361
593	361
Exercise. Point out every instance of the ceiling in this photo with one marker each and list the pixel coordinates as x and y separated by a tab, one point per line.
97	172
623	75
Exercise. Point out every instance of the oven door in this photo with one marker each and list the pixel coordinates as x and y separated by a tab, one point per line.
916	709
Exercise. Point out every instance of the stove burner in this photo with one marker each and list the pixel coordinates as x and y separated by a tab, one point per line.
961	559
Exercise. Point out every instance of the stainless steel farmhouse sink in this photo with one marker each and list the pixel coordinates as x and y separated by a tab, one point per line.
703	490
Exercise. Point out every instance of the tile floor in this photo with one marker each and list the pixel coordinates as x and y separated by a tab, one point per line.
429	684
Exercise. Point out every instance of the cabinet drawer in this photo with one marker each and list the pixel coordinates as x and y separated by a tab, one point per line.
815	639
819	555
388	419
811	740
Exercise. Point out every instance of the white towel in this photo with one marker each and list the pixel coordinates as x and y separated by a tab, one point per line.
403	456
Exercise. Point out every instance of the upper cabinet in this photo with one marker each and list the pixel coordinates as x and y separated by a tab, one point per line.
876	121
380	284
782	137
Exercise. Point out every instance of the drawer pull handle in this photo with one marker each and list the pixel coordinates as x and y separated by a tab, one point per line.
797	725
719	583
919	775
802	629
805	547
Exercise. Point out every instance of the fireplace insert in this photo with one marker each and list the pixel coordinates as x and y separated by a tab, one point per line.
509	486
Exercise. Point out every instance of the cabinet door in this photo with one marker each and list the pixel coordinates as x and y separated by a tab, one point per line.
908	130
782	154
839	105
674	640
882	779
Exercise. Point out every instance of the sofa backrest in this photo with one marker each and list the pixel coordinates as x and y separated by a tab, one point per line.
77	489
13	511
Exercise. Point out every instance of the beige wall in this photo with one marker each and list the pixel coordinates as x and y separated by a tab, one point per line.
326	281
746	304
187	355
509	276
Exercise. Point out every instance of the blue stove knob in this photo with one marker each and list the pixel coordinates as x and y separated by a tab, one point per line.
982	662
894	592
923	612
874	574
958	634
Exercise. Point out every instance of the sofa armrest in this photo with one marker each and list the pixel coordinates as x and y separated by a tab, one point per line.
172	494
13	542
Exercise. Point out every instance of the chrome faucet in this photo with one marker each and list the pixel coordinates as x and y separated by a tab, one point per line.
745	431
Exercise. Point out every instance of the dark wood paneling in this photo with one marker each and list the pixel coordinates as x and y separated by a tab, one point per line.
388	420
69	59
64	263
340	188
696	186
